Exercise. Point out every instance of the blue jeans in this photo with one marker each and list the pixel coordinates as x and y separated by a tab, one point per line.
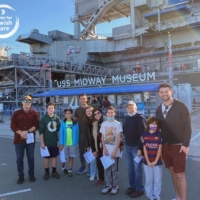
93	168
135	173
19	149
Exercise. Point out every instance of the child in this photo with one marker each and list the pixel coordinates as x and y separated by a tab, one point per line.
69	137
48	128
152	159
111	131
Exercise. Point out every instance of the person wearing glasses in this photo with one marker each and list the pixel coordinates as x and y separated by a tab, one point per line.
24	123
96	145
49	127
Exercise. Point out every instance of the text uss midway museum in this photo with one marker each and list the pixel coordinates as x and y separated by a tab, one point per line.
129	78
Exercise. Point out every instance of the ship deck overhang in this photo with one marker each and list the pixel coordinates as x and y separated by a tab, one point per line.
167	13
100	90
33	38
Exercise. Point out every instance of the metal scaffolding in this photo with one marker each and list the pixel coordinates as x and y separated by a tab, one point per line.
22	75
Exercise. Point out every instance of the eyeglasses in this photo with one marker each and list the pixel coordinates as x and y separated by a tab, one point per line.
97	113
27	101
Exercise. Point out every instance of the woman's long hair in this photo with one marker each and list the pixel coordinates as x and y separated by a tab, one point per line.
88	120
94	110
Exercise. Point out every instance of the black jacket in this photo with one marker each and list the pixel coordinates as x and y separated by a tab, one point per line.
88	134
176	127
133	128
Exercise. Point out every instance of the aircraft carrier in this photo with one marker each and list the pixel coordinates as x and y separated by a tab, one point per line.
134	54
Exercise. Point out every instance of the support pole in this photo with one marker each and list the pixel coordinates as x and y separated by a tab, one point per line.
170	60
132	5
16	89
50	81
77	28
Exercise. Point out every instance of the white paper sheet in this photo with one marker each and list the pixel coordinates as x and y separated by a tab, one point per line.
30	138
120	154
89	157
107	161
44	152
62	156
138	159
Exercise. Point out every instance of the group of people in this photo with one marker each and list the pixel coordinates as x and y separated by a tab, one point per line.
97	101
164	137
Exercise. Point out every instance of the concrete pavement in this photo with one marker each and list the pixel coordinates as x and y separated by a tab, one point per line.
79	187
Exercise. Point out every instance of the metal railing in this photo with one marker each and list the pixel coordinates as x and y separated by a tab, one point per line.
6	114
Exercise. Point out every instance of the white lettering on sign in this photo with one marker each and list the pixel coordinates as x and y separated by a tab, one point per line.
102	80
133	78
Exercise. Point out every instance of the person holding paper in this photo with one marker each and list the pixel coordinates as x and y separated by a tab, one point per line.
49	127
69	137
96	145
133	127
152	145
25	122
111	131
88	135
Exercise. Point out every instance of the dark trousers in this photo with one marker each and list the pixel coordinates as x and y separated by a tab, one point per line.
100	167
82	149
19	149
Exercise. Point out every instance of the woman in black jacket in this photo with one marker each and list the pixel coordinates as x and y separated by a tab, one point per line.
88	135
96	145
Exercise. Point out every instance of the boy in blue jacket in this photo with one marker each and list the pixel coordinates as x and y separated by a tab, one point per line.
69	137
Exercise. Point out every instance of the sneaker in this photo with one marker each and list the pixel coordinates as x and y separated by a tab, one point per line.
91	178
46	176
106	190
55	175
129	191
88	174
99	182
136	194
70	175
114	190
65	171
20	180
81	170
32	178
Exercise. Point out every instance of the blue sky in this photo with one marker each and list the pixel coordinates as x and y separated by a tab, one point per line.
47	15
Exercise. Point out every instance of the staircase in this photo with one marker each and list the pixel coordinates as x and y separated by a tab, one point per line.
29	76
7	76
27	91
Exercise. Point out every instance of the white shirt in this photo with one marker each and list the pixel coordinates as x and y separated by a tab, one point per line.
164	109
110	132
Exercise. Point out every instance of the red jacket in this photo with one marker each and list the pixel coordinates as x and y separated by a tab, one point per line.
23	121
